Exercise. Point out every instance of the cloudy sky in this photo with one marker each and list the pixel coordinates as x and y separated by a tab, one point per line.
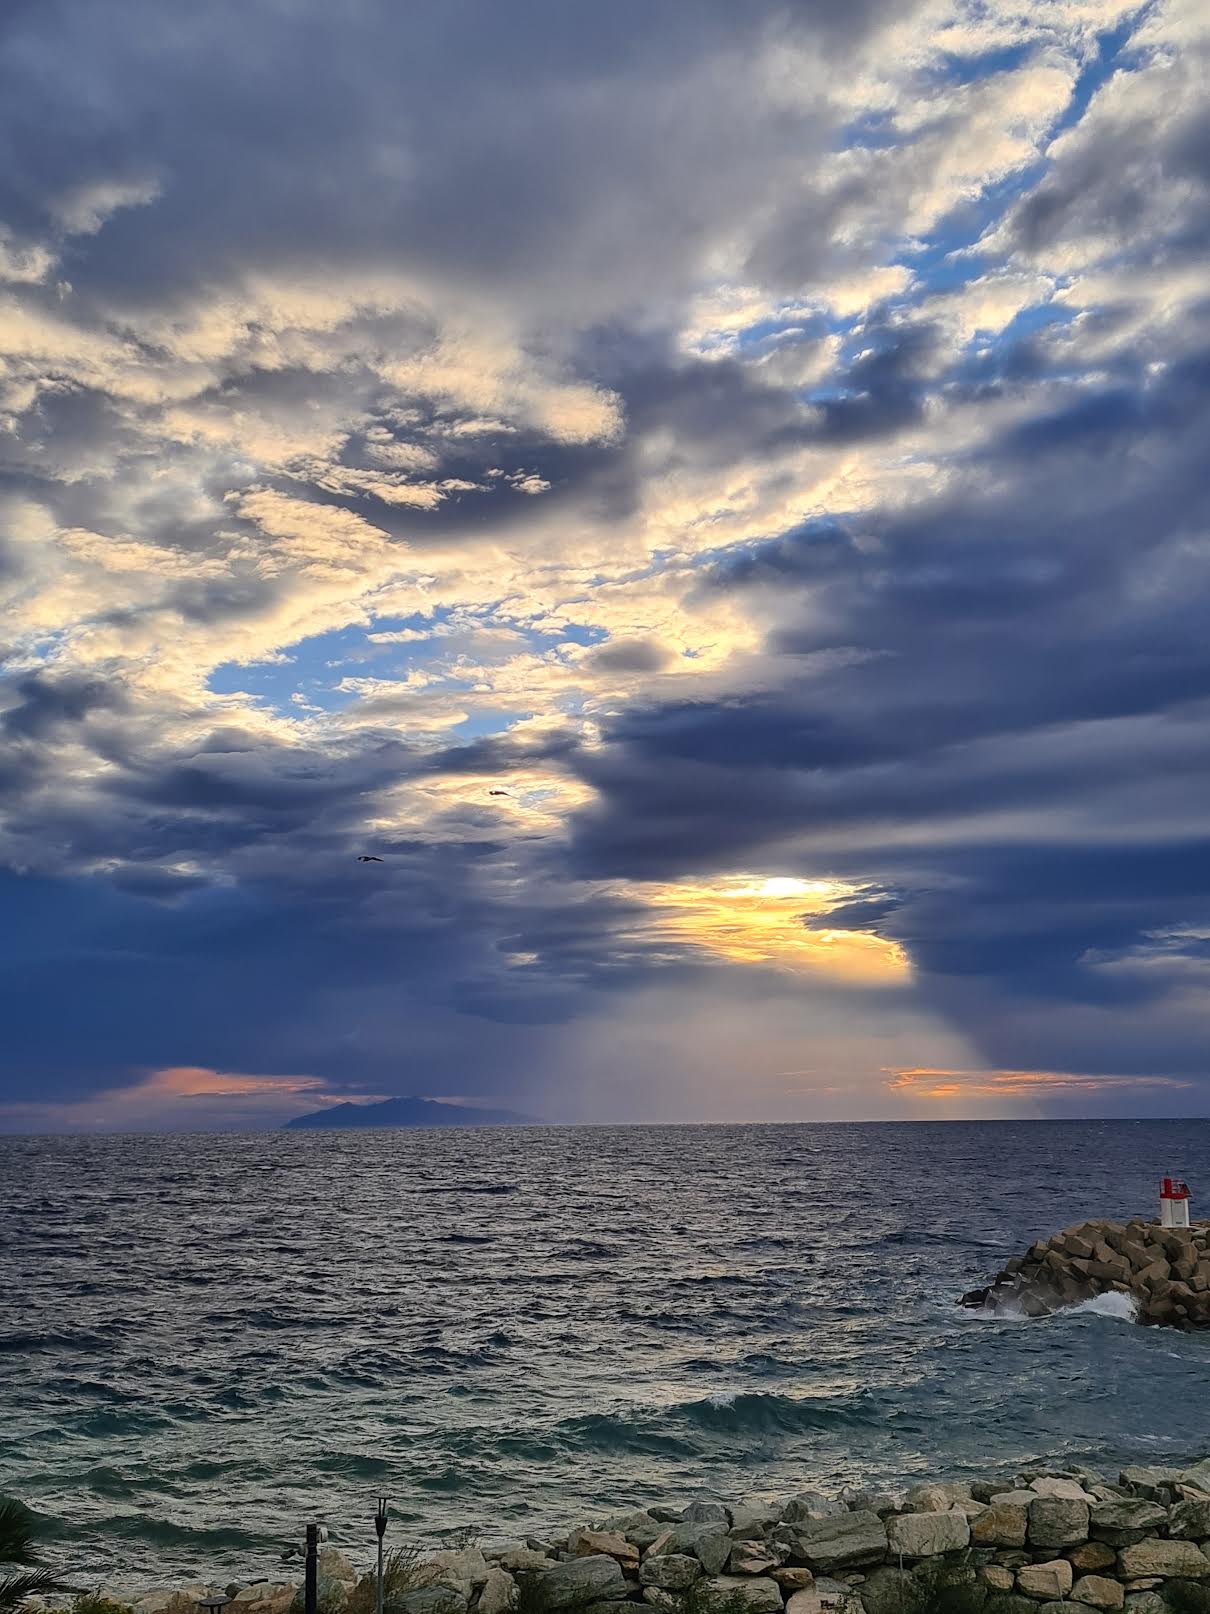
715	497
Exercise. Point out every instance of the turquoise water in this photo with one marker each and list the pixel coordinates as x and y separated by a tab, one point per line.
205	1341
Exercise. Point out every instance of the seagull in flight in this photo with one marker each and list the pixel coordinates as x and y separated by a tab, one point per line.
364	857
497	792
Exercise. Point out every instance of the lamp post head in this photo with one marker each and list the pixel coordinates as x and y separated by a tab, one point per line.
380	1517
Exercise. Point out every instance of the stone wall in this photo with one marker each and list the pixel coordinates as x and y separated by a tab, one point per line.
1044	1542
1164	1271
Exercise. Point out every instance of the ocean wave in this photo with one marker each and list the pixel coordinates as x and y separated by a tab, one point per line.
676	1428
1110	1305
22	1342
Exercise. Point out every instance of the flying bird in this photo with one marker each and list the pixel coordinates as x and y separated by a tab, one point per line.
497	792
364	857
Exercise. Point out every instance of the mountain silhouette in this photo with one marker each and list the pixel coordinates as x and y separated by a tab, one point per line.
409	1112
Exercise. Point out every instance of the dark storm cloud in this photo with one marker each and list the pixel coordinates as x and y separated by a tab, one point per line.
292	241
42	704
264	117
1030	650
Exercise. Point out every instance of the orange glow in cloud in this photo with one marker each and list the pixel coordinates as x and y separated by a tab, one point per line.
195	1081
947	1084
750	919
188	1097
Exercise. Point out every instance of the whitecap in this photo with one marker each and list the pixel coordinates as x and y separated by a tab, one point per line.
1113	1304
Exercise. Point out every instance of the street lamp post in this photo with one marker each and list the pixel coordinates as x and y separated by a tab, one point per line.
380	1528
311	1572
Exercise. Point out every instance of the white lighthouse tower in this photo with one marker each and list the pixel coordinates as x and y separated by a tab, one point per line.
1174	1203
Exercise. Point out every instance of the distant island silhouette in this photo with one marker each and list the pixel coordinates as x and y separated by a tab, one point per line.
409	1112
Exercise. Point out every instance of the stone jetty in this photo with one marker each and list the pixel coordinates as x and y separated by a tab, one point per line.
1165	1271
1050	1540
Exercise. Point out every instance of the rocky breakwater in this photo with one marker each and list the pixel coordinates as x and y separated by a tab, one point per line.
1164	1271
1042	1542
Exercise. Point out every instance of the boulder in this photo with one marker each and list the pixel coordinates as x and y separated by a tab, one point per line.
935	1497
1048	1582
582	1580
499	1592
997	1578
832	1596
1150	1482
264	1597
1091	1556
671	1571
1098	1591
583	1543
1189	1520
438	1598
518	1560
755	1557
754	1517
812	1505
1152	1556
664	1514
1125	1519
707	1512
1051	1485
1009	1603
1001	1524
1198	1475
847	1541
708	1542
889	1591
758	1595
180	1601
331	1564
635	1519
924	1535
712	1550
792	1578
467	1567
1146	1603
1057	1521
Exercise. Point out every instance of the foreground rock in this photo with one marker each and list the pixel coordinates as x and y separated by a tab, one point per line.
1048	1542
1163	1271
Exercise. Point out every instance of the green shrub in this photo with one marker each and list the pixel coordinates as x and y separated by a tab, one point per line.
401	1573
94	1603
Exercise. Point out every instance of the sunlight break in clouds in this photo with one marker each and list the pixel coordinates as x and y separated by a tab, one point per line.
749	920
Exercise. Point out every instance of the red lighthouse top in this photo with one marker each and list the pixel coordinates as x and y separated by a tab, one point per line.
1171	1188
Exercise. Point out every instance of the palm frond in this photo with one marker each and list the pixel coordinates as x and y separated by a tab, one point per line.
14	1589
18	1529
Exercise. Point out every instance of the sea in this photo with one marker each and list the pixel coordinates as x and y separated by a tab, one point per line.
208	1341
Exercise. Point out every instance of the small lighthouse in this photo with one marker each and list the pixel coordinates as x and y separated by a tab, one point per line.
1174	1203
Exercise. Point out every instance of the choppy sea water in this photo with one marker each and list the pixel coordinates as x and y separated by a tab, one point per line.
205	1341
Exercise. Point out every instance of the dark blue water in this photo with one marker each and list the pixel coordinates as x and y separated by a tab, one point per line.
204	1341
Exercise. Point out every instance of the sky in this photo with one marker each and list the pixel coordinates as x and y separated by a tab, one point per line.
714	497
